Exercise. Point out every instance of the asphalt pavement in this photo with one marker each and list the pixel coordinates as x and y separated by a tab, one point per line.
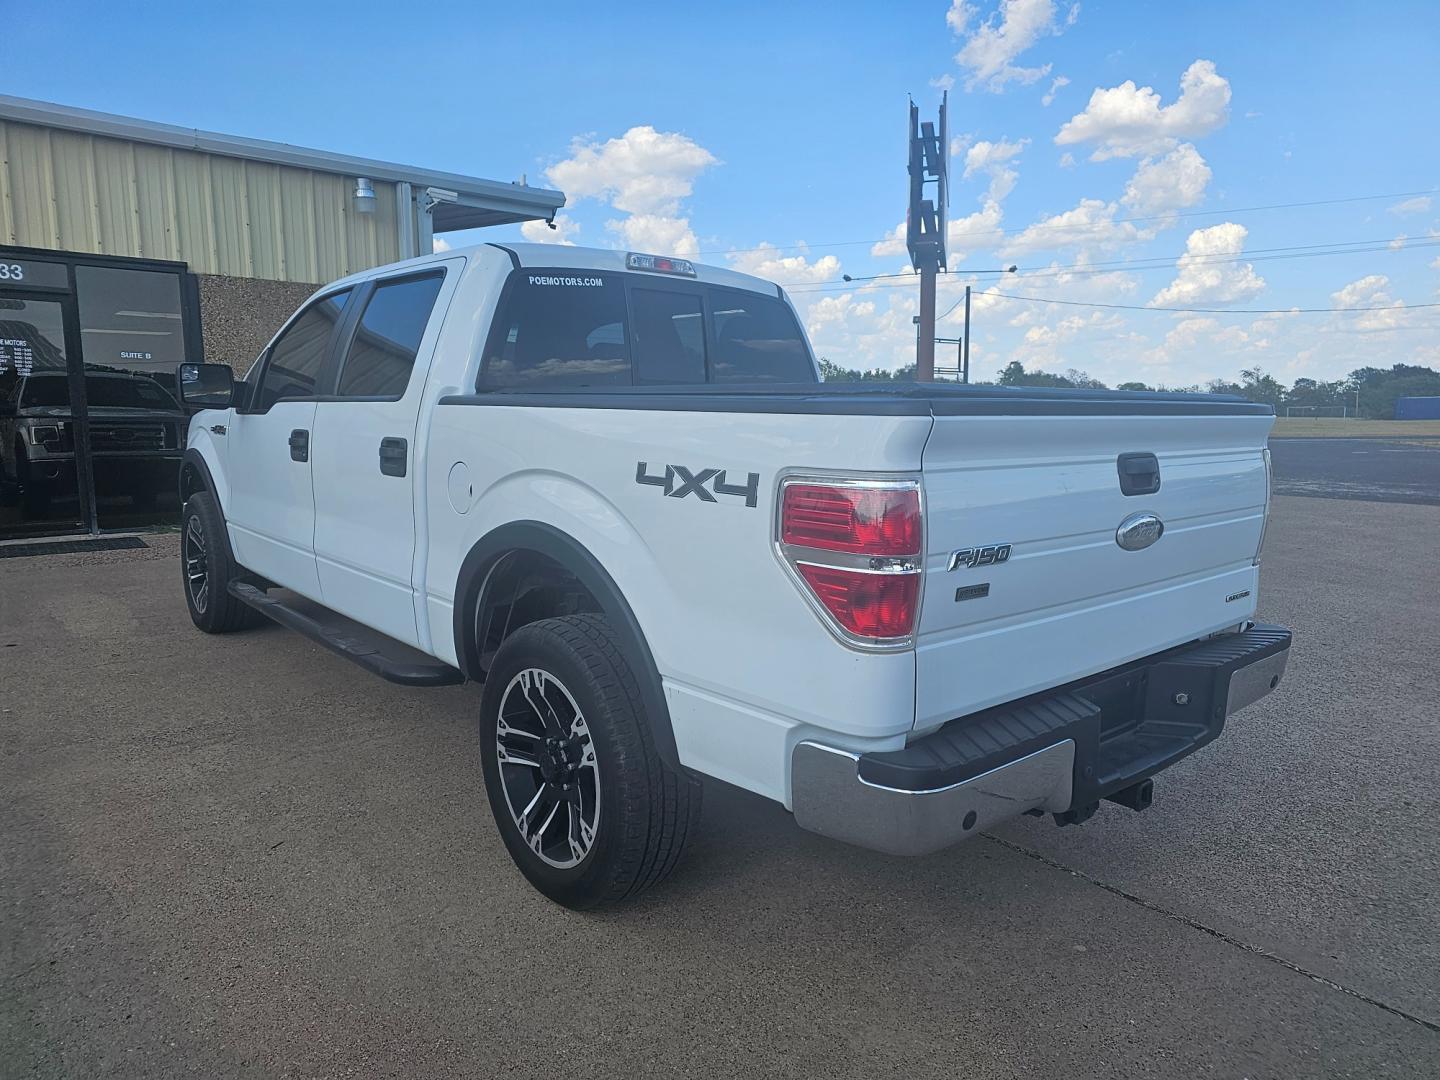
1373	470
236	856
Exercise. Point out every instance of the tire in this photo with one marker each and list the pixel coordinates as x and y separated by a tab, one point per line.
205	549
639	812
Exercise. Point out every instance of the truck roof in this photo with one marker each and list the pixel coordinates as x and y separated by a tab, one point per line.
584	258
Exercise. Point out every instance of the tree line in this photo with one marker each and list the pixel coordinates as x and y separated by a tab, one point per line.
1373	390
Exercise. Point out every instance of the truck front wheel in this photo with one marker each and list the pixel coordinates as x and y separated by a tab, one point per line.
586	807
206	568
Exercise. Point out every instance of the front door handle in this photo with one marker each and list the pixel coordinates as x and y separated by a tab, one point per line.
299	445
392	456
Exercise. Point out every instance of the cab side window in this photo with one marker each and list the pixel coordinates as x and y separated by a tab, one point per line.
387	339
297	359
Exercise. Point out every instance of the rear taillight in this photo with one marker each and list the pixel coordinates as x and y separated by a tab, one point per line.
863	520
855	547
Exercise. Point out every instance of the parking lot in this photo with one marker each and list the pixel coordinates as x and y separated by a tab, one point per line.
243	856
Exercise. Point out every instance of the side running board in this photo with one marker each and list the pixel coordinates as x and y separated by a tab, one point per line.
375	652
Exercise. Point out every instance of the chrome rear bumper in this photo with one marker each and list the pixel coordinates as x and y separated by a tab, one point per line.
831	798
1059	753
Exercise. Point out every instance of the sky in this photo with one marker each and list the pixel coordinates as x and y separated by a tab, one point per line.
1243	161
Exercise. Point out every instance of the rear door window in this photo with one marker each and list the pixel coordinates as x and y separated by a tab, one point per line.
387	339
559	328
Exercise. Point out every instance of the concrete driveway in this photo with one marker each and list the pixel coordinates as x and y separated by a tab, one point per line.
242	856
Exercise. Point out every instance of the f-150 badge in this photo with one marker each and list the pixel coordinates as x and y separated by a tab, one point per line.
678	482
990	555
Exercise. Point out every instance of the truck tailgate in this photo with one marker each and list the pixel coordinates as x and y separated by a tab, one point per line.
1069	601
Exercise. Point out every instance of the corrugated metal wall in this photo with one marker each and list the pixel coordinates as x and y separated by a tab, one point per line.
73	192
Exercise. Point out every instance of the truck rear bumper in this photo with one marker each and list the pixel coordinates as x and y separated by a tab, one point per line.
1061	751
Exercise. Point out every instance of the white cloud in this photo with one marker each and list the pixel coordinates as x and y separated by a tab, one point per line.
1168	183
979	231
439	244
1435	263
943	82
1067	160
987	156
644	173
1373	293
1058	82
564	232
992	46
1090	224
993	159
893	244
1398	242
655	233
1418	205
1365	292
1127	121
1204	278
766	261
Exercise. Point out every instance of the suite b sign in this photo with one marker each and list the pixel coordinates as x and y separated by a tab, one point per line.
32	274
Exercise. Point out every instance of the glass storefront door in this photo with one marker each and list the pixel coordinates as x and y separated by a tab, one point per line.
91	429
132	333
39	485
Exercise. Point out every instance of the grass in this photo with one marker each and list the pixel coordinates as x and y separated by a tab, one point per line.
1334	427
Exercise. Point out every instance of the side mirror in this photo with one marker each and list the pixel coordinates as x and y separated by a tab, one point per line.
206	386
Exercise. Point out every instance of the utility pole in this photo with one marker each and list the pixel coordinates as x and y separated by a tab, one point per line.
965	360
925	224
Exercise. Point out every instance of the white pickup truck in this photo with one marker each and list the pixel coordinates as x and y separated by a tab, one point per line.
616	493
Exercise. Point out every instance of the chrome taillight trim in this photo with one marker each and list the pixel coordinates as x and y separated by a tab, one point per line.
1269	490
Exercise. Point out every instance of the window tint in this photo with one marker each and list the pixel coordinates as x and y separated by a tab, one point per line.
558	328
757	340
388	337
669	337
298	357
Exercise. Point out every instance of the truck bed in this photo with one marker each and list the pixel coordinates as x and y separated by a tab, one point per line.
875	399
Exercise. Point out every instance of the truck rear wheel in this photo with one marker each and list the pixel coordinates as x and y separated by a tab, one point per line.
586	807
207	567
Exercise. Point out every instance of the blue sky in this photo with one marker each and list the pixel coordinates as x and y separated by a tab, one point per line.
722	129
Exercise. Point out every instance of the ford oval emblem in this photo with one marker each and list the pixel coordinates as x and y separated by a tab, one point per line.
1139	531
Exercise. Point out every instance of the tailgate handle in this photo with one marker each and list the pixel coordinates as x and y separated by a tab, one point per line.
1139	474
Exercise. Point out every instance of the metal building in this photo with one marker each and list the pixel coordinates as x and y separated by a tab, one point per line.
127	246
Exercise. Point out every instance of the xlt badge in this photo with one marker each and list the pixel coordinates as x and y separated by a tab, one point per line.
990	555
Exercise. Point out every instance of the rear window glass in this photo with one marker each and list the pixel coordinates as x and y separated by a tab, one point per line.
757	340
563	328
559	328
669	336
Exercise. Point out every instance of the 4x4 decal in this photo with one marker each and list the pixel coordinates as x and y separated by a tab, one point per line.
678	481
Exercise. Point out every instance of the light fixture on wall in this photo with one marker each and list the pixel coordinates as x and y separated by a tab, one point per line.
364	196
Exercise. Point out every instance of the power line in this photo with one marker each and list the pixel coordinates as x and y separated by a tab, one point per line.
1155	262
1086	225
1210	311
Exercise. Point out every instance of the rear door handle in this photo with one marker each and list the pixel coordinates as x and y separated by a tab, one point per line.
299	445
392	456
